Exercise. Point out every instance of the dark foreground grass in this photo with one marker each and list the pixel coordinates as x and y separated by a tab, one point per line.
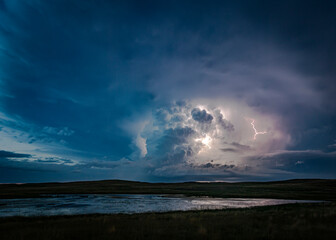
294	221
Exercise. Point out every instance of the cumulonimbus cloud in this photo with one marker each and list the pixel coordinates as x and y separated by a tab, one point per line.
205	137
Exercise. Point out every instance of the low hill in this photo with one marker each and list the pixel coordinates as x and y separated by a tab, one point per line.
312	189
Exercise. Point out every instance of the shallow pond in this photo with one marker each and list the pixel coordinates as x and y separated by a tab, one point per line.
69	204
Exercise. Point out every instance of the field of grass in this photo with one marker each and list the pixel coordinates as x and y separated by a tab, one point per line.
294	221
309	189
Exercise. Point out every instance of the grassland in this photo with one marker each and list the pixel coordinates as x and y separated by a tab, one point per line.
309	189
295	221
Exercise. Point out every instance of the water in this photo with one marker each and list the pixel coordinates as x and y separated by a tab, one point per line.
72	204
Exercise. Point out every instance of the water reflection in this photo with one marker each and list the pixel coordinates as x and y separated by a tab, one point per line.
70	204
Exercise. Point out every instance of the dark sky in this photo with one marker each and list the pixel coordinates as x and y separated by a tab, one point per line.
167	90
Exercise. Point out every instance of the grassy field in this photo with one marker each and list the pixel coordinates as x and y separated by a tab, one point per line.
295	221
312	189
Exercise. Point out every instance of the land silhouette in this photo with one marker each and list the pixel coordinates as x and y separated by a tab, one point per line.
292	221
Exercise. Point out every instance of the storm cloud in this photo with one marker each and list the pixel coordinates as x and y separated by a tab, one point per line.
6	154
170	88
201	116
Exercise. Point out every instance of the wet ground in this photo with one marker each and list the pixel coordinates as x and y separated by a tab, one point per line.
73	204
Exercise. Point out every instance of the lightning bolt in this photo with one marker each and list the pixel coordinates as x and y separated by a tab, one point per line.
255	130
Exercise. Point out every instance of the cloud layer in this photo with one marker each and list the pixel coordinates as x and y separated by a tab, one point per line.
167	91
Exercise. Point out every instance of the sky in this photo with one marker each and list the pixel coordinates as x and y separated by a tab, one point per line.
167	91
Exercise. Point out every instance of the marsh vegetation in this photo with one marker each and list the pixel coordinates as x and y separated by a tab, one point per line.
294	221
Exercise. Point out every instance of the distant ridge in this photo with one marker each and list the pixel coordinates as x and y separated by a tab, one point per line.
309	189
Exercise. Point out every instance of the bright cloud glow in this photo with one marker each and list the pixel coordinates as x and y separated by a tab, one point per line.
197	133
206	140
